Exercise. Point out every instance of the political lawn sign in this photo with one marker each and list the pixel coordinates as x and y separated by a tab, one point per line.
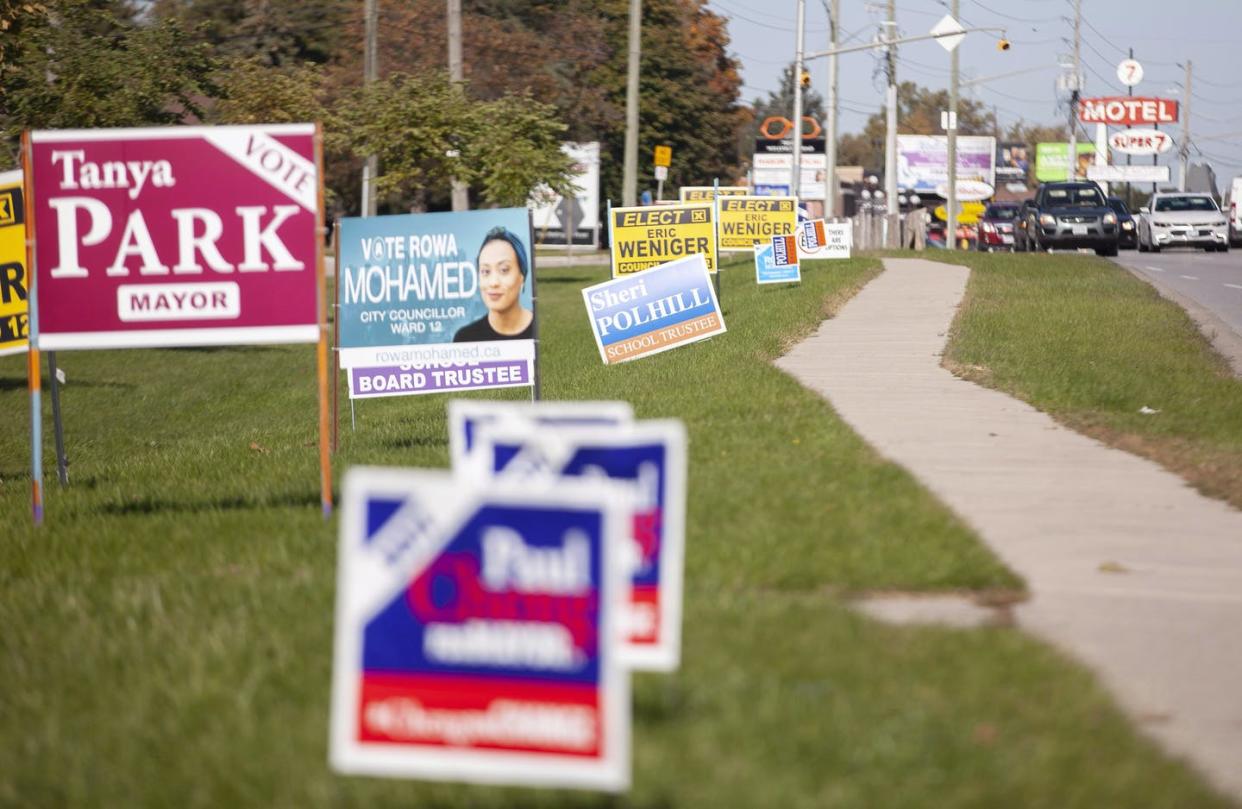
707	193
14	317
767	268
649	456
176	236
837	240
645	237
437	302
467	416
477	631
656	310
748	221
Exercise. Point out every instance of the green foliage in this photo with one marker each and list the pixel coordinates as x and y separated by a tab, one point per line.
77	63
276	32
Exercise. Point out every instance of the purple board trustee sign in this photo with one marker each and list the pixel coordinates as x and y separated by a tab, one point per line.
399	379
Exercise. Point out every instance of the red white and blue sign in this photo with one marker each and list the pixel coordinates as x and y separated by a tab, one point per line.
650	456
476	631
465	416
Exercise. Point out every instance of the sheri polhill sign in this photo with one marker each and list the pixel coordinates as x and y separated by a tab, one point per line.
175	236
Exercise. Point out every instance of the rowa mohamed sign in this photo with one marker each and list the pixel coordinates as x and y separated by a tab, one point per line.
176	236
1127	111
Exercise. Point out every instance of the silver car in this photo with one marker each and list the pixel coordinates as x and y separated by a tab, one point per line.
1182	220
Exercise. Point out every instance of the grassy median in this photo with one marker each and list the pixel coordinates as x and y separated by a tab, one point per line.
167	633
1085	341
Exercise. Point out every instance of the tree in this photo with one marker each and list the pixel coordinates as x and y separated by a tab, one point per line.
276	32
918	113
79	63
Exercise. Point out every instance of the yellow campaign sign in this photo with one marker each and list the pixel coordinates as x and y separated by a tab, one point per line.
644	237
664	156
704	193
968	213
747	221
13	277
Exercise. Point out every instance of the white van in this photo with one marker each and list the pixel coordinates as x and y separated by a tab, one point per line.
1234	212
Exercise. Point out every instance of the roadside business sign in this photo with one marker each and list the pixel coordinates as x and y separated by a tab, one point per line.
1127	111
467	416
662	308
647	236
648	456
748	221
923	161
176	236
1140	141
770	270
14	286
437	302
1129	72
1052	162
707	193
477	631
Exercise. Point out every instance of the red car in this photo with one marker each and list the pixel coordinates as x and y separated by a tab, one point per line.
995	228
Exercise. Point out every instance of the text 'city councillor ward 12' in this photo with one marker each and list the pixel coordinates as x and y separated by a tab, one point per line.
748	221
665	307
647	237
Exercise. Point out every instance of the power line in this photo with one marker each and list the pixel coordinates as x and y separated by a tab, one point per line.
1119	49
1011	17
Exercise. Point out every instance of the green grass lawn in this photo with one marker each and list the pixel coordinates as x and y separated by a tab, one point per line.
166	636
1084	340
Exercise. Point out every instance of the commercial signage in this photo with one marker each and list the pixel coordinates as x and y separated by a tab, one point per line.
707	193
967	190
923	161
467	416
772	168
748	221
1128	174
476	631
553	215
1127	111
662	308
176	236
1013	163
771	269
436	302
14	287
646	237
1140	141
1129	72
1052	161
648	456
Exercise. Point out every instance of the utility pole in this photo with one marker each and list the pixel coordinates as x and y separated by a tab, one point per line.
830	182
950	226
461	192
370	69
795	182
1075	90
1184	151
890	102
629	182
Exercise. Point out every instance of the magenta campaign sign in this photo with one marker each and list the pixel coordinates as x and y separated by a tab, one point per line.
176	236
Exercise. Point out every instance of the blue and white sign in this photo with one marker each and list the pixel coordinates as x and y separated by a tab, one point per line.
664	307
466	416
476	631
436	302
767	271
651	457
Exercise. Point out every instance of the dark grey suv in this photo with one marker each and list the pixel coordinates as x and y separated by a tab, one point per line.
1067	216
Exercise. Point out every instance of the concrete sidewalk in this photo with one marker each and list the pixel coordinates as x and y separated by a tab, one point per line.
1130	570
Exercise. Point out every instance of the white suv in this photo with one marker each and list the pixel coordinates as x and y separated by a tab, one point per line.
1182	220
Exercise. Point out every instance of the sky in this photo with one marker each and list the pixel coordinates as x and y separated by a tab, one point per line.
1019	83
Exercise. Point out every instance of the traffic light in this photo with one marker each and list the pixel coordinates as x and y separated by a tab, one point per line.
1002	44
805	79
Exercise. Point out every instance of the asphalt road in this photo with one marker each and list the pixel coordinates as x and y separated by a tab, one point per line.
1213	280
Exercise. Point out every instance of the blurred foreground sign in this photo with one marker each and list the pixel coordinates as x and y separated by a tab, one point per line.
476	631
14	286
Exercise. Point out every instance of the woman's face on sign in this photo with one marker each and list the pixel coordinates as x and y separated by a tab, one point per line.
500	276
